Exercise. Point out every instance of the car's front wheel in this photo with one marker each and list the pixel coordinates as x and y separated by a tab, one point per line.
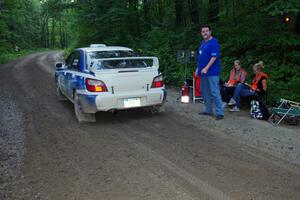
59	94
80	115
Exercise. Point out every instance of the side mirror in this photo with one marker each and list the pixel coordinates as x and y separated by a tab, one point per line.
59	65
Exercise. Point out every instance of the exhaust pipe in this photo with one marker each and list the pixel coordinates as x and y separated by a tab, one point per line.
114	111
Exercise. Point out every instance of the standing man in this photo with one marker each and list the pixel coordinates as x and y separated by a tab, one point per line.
209	69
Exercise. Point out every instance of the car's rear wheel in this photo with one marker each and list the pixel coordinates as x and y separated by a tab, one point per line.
59	94
80	115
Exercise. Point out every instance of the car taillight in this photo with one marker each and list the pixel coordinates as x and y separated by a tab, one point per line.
93	85
158	82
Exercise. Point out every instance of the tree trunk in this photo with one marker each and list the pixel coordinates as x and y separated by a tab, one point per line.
42	32
178	11
194	12
134	17
297	23
233	12
213	11
47	36
61	35
147	21
53	33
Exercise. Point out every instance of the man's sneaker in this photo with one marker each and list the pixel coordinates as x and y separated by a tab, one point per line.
224	104
205	113
231	102
219	117
234	109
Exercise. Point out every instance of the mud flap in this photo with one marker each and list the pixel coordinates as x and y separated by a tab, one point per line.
158	109
80	115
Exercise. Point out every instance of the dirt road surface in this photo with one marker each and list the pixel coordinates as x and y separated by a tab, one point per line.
46	154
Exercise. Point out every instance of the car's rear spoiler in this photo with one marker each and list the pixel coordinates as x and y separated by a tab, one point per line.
155	59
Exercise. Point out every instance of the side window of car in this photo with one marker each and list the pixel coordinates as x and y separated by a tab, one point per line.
76	61
73	61
70	60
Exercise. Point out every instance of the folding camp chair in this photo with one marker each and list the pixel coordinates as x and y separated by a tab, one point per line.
286	109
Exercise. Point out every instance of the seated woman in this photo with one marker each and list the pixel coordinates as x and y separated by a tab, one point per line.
257	88
237	75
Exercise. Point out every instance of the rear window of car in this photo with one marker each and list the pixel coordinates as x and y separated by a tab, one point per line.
95	62
111	54
123	64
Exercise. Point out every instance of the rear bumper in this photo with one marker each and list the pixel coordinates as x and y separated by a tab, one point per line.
94	102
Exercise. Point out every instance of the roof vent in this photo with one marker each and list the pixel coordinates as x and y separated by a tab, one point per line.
97	45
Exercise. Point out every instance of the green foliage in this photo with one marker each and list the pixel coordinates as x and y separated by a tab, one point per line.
33	24
247	30
19	24
281	7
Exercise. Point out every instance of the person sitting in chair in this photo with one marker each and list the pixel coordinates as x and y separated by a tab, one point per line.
257	88
237	75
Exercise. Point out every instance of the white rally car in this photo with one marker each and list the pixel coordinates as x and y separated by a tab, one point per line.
109	78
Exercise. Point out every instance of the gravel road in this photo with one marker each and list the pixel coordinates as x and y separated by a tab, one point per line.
46	154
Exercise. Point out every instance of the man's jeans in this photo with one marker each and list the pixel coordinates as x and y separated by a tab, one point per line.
211	94
242	90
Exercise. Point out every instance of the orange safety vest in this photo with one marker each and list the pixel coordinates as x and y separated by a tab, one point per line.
257	78
232	79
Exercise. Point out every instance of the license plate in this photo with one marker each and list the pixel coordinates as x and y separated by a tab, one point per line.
132	102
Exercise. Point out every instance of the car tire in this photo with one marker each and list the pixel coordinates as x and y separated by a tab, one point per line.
80	115
59	94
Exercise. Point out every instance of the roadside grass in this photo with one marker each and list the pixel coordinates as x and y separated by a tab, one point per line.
9	56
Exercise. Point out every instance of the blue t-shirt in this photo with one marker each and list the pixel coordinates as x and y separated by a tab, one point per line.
206	51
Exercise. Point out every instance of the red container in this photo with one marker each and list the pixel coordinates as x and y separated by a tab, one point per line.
185	93
197	82
185	90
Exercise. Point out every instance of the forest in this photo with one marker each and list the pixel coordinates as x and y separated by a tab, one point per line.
248	30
